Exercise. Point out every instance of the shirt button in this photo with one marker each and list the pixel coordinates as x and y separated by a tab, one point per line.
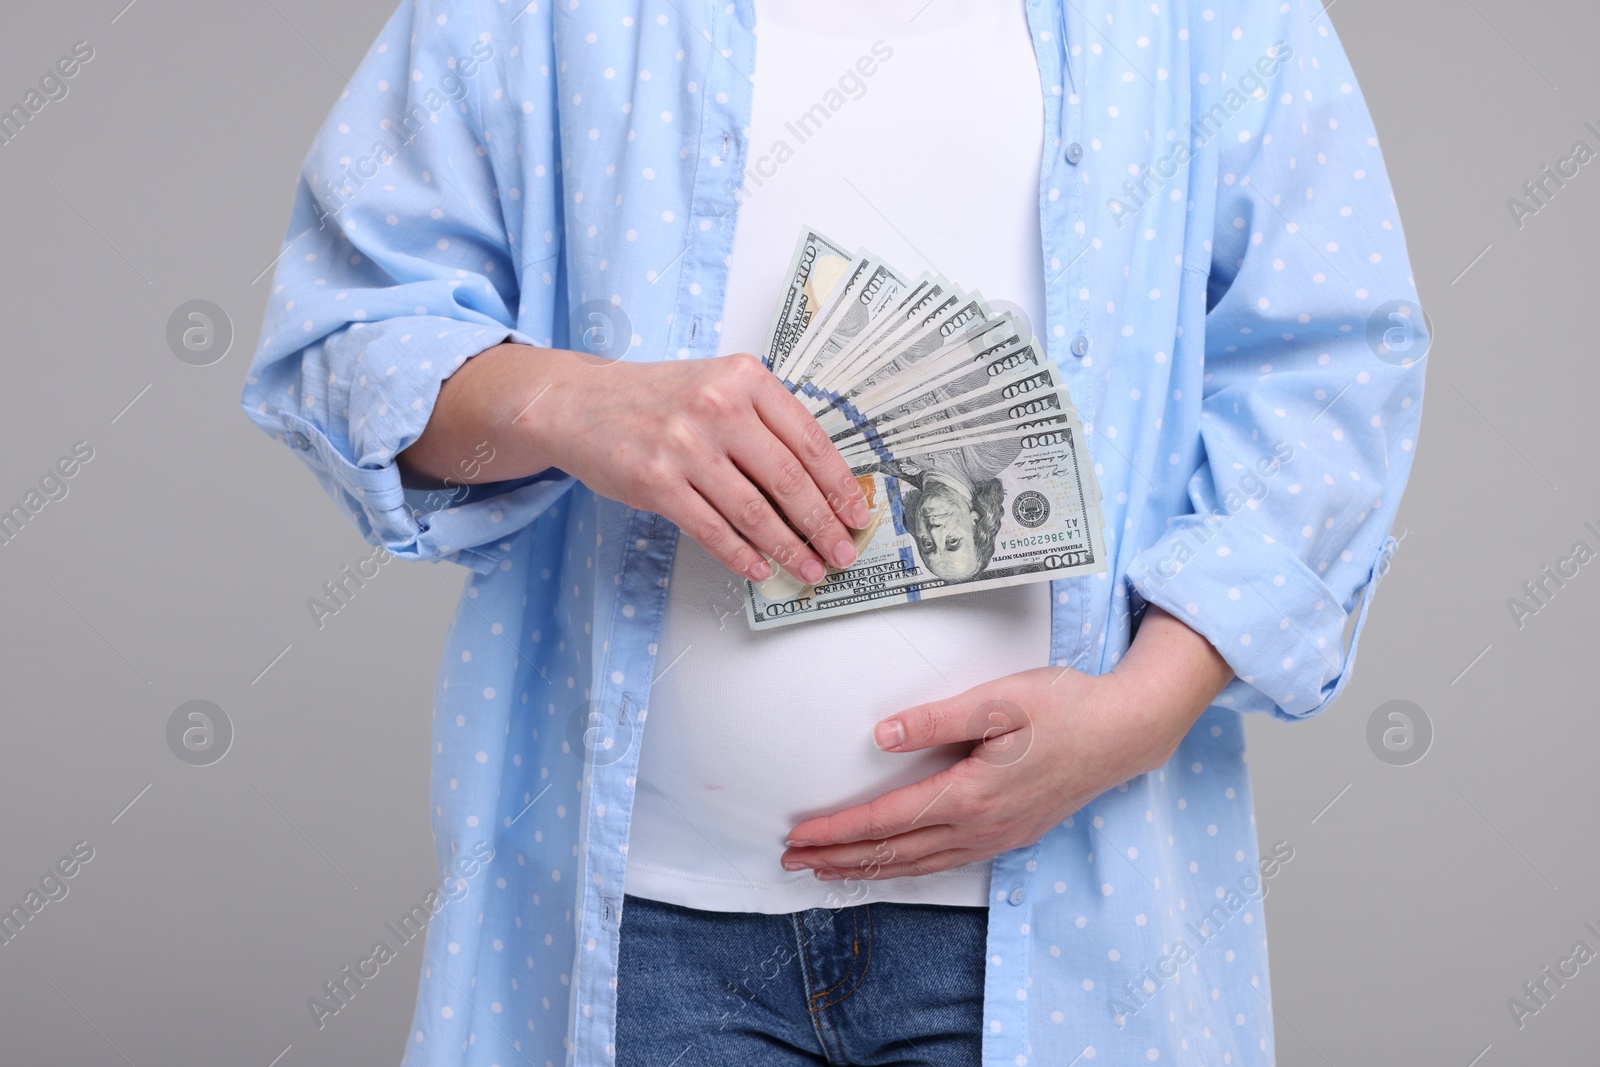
300	440
1017	895
1074	153
1080	345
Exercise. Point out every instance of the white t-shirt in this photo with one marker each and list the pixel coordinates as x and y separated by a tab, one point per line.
932	161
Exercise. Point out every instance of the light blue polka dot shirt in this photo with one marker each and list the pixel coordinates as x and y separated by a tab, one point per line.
1230	305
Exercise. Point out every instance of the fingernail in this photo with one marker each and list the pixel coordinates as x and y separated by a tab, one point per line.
828	874
798	842
860	514
889	734
811	571
793	865
844	553
761	571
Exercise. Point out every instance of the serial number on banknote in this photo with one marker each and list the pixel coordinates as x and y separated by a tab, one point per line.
1037	539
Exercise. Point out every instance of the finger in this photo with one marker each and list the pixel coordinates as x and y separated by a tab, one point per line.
738	500
975	715
938	861
926	803
793	425
920	842
768	463
697	518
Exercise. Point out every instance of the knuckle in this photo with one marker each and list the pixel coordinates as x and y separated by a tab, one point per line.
815	445
750	512
712	400
790	479
918	723
719	543
702	528
880	862
813	521
678	436
877	823
846	491
657	468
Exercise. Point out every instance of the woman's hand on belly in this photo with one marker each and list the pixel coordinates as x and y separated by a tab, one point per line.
1046	742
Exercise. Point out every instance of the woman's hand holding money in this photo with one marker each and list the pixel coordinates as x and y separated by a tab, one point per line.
715	445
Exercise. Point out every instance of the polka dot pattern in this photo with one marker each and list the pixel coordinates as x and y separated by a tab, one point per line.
485	174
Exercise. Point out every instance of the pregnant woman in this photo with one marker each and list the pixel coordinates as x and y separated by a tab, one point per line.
532	251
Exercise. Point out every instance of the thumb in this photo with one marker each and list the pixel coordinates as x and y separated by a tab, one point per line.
971	716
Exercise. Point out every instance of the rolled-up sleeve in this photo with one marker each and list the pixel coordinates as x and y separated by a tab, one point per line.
403	259
1313	351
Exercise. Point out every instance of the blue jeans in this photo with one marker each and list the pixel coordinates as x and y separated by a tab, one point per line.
870	984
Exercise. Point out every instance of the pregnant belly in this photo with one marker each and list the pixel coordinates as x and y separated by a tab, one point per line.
743	777
748	734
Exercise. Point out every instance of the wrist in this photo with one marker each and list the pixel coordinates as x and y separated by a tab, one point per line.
541	410
1170	675
1152	717
1169	657
504	414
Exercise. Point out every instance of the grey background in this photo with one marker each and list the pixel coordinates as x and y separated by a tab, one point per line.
179	565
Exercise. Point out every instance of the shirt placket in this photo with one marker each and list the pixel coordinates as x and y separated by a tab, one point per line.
1065	338
1064	241
631	634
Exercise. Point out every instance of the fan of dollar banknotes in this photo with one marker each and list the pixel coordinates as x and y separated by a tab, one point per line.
956	425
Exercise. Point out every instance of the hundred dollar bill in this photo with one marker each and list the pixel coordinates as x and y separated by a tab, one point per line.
814	270
856	293
985	395
889	353
958	428
866	301
924	302
849	278
913	367
976	517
